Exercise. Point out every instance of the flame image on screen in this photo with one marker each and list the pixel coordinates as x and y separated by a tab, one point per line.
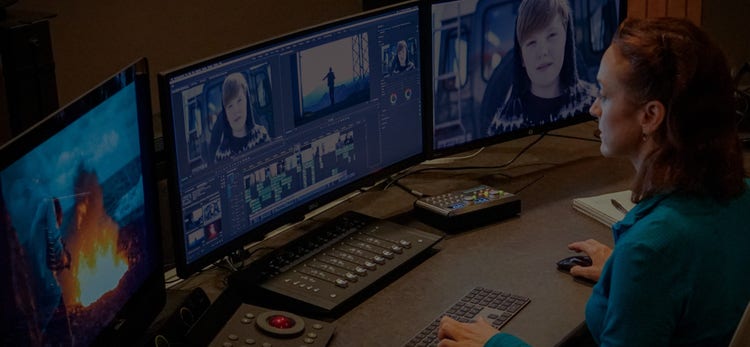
97	266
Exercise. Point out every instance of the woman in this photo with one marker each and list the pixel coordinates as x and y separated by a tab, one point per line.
546	86
401	61
239	132
678	273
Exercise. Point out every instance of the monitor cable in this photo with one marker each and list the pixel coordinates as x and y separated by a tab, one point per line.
596	134
397	177
394	180
448	160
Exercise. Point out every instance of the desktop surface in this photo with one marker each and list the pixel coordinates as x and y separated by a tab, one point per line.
517	255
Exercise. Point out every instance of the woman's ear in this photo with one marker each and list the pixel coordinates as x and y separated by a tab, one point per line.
653	115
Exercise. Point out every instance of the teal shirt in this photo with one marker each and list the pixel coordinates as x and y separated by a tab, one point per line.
679	275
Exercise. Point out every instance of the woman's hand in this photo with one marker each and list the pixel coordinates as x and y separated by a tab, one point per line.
598	252
454	333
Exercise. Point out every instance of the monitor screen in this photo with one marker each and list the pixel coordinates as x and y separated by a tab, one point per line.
79	243
503	69
263	134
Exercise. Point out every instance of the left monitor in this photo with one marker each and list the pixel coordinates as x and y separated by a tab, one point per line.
80	255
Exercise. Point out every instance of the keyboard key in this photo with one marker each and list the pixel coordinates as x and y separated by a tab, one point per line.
495	306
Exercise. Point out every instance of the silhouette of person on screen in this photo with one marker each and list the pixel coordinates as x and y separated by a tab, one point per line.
47	258
238	131
540	82
401	61
17	297
330	77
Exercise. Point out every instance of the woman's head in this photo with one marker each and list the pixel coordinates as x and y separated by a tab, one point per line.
675	116
236	103
544	41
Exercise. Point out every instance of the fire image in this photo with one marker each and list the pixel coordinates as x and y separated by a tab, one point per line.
78	264
96	265
75	239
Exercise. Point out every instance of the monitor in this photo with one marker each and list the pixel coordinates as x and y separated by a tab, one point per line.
259	136
483	90
80	254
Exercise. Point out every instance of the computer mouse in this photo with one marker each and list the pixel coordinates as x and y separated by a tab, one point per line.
569	262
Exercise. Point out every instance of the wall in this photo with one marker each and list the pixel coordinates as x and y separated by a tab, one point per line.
727	21
660	8
92	39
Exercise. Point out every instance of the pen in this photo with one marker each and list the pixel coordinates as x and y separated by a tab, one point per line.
618	206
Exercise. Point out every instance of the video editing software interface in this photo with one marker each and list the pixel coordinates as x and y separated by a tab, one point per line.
490	84
78	238
273	127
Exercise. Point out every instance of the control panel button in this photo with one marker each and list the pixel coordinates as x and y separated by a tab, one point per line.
341	283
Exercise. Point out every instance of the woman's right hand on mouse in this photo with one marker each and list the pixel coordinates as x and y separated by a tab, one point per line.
597	251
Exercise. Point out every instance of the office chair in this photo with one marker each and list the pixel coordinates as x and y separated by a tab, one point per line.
741	336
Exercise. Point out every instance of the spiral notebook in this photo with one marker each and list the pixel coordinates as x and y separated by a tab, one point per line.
602	208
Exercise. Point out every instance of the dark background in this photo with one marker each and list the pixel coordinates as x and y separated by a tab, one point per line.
92	39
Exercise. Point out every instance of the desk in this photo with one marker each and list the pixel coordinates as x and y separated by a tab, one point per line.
517	255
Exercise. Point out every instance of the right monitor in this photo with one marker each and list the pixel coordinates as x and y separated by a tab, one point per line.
503	69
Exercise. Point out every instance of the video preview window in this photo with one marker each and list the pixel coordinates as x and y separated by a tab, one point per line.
228	115
333	77
504	66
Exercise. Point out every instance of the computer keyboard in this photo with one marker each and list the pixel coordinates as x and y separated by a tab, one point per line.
495	306
325	269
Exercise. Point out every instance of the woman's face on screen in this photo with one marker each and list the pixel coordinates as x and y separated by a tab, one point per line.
401	56
543	53
236	111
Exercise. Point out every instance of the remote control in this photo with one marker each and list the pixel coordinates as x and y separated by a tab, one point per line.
468	208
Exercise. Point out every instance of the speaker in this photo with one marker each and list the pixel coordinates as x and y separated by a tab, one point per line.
172	325
28	79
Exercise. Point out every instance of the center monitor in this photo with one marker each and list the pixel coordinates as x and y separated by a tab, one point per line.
264	134
503	69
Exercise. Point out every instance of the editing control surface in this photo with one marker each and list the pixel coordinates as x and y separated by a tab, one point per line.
257	326
328	270
468	208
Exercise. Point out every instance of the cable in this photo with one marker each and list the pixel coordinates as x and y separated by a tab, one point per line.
416	193
528	184
495	167
440	161
394	180
575	137
236	260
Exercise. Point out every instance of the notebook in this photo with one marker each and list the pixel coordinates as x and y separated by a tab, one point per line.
601	207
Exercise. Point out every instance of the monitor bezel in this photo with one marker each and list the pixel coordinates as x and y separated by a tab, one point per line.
428	99
298	213
133	319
